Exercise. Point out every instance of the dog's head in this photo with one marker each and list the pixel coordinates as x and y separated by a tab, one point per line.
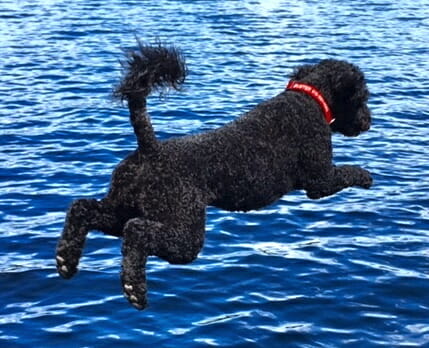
344	87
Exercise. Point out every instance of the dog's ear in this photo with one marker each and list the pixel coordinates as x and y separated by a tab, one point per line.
352	88
348	83
302	71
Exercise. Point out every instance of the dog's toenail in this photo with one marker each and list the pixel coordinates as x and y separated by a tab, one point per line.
133	298
64	268
60	259
128	287
138	306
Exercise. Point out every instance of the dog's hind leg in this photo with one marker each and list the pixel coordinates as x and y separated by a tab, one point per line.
177	245
83	215
139	241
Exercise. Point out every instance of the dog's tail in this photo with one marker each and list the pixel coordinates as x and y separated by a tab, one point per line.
149	68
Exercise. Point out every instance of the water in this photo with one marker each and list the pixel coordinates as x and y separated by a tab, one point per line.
349	270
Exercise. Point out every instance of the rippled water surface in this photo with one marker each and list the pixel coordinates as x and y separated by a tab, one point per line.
348	270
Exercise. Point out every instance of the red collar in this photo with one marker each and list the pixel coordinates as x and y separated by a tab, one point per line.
315	94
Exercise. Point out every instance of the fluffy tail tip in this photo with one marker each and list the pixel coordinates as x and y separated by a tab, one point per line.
150	67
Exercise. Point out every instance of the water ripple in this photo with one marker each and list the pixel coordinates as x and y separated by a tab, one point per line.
348	270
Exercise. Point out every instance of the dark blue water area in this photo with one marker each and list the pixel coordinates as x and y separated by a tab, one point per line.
348	270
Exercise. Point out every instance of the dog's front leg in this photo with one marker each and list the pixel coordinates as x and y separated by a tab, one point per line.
337	179
82	216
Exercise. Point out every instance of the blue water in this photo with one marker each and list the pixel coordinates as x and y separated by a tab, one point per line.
349	270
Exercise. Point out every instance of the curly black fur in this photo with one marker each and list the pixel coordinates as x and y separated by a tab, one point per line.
148	68
159	193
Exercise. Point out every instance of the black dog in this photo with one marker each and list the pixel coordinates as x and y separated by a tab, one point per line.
159	193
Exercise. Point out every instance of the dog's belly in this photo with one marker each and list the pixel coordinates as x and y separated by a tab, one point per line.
233	202
244	204
244	195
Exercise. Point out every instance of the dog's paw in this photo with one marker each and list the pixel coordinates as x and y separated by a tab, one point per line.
365	179
136	293
65	269
67	262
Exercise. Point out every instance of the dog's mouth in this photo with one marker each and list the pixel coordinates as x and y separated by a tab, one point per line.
353	133
365	126
357	129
